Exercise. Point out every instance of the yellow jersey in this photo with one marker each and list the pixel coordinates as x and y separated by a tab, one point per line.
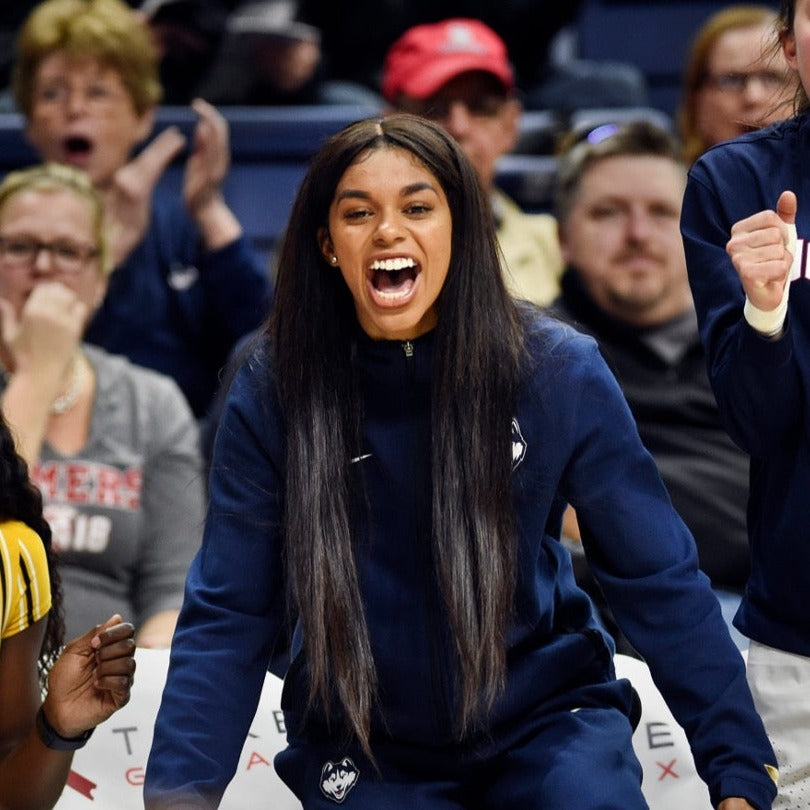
25	587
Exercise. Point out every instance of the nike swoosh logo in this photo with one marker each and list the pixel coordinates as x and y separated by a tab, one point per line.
182	278
360	458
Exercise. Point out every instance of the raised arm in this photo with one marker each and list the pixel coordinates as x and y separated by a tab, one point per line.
206	168
738	261
128	199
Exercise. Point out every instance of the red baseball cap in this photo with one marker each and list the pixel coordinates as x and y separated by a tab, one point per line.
427	56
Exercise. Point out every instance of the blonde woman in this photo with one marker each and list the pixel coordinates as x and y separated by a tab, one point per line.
113	447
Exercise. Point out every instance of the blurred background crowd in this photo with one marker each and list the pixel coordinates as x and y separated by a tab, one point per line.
193	120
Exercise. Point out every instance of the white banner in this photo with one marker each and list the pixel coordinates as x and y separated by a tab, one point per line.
108	772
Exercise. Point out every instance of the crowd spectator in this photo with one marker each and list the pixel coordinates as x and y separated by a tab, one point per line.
187	284
85	683
113	447
745	226
457	72
625	283
735	79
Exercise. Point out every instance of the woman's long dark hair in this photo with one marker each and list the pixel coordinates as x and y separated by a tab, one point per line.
785	22
479	342
21	500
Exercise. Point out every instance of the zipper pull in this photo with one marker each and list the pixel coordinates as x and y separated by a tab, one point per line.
407	347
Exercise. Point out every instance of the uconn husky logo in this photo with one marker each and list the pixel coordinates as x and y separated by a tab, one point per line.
338	779
518	445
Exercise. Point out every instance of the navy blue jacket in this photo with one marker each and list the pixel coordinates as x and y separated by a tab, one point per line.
762	386
174	307
575	440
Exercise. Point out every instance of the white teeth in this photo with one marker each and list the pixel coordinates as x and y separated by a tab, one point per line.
393	296
390	265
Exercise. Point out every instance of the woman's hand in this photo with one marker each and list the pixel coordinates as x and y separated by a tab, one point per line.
209	160
44	337
128	200
92	678
759	250
206	169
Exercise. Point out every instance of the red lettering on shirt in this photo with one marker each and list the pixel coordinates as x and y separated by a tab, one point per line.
46	477
78	482
108	482
133	481
83	482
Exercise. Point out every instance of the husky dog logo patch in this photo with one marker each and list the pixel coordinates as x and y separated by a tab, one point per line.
518	444
337	779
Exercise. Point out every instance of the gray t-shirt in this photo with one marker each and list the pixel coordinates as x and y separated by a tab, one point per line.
126	511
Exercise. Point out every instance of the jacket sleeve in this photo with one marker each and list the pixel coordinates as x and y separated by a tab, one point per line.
645	559
757	381
233	613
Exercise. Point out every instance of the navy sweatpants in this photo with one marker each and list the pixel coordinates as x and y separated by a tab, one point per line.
577	754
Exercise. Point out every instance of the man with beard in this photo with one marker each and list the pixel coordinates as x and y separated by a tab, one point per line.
618	207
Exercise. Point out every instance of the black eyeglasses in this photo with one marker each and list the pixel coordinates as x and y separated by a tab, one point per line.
67	256
737	82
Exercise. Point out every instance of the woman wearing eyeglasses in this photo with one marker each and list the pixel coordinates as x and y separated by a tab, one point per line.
735	81
112	446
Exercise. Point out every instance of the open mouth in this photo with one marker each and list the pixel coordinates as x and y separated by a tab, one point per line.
76	147
393	279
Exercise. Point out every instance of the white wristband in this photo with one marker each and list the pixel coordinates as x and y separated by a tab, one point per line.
771	322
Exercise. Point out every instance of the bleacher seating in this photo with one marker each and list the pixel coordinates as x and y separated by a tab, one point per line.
271	147
270	150
540	131
529	180
15	151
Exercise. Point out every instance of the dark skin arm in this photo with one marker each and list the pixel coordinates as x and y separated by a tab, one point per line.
90	681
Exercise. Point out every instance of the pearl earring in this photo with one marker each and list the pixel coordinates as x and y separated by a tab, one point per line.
334	259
